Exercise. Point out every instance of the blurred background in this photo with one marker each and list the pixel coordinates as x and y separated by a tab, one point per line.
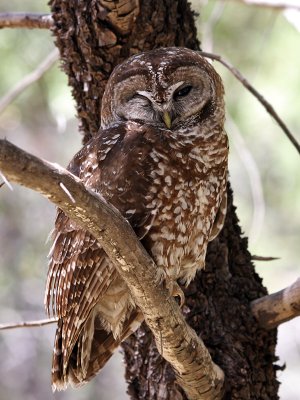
264	44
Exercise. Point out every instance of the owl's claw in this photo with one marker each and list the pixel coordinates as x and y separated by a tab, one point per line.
178	292
175	290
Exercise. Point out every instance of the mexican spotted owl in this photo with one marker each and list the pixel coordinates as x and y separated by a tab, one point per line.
160	157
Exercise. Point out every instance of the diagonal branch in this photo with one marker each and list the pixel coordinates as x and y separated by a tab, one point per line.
175	340
256	94
26	20
29	79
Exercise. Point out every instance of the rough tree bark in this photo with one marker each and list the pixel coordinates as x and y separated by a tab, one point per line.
93	36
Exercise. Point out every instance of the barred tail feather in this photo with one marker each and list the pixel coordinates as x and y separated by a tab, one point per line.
88	357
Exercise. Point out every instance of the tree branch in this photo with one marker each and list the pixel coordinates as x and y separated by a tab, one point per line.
279	307
26	20
29	79
175	340
271	4
256	94
28	324
263	258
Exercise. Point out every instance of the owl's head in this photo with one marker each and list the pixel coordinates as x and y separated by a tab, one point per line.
171	88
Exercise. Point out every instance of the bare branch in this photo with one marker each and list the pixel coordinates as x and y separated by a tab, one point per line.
29	79
279	307
256	94
271	4
177	342
26	20
262	258
28	324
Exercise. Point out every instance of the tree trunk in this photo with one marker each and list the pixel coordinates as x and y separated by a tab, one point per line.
93	36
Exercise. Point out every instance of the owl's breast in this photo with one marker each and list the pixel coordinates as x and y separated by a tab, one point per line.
185	213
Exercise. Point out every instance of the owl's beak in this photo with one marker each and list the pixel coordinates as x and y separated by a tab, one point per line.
167	119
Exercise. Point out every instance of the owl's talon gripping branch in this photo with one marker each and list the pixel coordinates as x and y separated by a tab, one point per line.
175	290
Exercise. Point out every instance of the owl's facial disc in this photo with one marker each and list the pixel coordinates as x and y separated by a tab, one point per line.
173	95
171	87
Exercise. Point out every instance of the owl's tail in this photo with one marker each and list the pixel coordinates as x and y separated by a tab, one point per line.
88	357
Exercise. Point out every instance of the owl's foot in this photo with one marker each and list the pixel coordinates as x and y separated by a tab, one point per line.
175	290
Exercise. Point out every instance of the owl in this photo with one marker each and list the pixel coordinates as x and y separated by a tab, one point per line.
160	157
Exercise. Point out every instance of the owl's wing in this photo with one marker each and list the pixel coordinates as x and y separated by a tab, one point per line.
79	275
75	256
116	164
75	259
126	176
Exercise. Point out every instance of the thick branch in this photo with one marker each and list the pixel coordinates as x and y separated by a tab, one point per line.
177	342
26	20
279	307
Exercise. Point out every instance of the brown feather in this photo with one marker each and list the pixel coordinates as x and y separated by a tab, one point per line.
170	184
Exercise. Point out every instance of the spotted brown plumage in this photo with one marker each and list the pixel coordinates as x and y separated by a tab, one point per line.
160	158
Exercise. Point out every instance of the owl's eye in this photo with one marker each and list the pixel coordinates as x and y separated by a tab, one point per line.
182	92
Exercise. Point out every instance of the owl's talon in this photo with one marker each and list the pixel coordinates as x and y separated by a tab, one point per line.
178	292
175	291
